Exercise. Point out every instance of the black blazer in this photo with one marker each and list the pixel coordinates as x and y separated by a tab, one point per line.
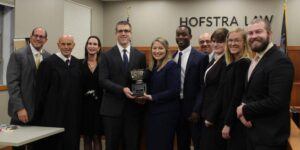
113	79
193	82
230	91
267	99
211	84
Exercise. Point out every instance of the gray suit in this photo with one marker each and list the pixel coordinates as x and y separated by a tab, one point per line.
21	71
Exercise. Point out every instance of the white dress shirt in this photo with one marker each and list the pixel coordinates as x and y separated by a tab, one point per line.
127	51
184	59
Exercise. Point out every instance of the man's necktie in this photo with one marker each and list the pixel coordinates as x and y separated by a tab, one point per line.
125	60
68	62
37	59
179	59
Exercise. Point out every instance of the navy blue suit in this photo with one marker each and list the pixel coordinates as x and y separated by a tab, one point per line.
191	102
163	111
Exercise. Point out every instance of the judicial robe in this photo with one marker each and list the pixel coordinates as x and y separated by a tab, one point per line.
58	102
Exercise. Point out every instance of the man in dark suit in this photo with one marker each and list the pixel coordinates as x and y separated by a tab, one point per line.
265	107
121	112
21	74
192	64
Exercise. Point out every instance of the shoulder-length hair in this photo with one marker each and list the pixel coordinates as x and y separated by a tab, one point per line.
86	44
245	52
163	62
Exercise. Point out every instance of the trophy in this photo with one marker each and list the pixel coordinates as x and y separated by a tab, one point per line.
139	87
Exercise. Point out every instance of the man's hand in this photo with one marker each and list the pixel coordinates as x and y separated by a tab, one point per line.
128	93
143	99
246	123
240	115
22	115
239	110
194	117
226	132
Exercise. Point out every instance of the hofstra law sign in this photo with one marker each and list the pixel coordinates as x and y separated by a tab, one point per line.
221	21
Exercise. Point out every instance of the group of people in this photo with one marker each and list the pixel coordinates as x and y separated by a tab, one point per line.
231	94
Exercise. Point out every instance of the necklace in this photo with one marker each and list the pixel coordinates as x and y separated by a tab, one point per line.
92	65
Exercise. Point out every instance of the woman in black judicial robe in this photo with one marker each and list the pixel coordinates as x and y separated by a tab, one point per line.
232	87
91	124
59	100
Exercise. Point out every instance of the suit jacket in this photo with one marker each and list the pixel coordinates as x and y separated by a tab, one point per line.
267	99
164	87
21	72
193	82
212	82
113	79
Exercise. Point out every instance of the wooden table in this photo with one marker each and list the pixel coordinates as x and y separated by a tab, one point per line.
27	134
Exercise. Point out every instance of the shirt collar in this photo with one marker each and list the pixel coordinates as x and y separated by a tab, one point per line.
186	50
121	48
34	50
62	57
261	54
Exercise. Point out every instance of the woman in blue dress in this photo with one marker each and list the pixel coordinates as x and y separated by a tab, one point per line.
163	93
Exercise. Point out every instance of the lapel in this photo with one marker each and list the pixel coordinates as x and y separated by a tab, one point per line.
260	64
30	58
190	61
131	58
117	56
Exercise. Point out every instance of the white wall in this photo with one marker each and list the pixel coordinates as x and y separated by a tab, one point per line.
151	19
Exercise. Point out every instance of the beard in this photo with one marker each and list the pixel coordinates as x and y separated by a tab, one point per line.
260	48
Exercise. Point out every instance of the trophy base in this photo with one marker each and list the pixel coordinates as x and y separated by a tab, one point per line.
138	89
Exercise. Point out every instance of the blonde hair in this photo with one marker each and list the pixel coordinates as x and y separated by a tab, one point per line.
164	61
245	53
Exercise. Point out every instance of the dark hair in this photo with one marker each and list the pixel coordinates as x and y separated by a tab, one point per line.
185	26
87	42
39	28
219	35
122	22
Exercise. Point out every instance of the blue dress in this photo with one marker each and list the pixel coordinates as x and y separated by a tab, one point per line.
163	111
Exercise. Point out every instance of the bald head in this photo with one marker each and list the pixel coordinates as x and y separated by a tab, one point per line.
205	43
66	44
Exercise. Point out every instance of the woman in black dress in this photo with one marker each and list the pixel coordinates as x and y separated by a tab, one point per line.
91	128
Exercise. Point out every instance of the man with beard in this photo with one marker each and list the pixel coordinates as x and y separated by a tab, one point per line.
192	65
265	107
205	45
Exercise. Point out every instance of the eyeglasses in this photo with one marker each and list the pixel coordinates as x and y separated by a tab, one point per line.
234	40
204	41
125	31
38	36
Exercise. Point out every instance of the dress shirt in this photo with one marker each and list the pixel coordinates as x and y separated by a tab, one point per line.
257	58
217	58
62	57
184	59
127	51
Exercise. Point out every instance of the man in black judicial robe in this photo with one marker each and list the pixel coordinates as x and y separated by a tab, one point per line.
58	97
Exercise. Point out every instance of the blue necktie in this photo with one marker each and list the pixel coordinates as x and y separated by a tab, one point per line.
125	60
179	59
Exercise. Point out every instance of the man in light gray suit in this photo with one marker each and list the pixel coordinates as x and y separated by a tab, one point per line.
21	72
